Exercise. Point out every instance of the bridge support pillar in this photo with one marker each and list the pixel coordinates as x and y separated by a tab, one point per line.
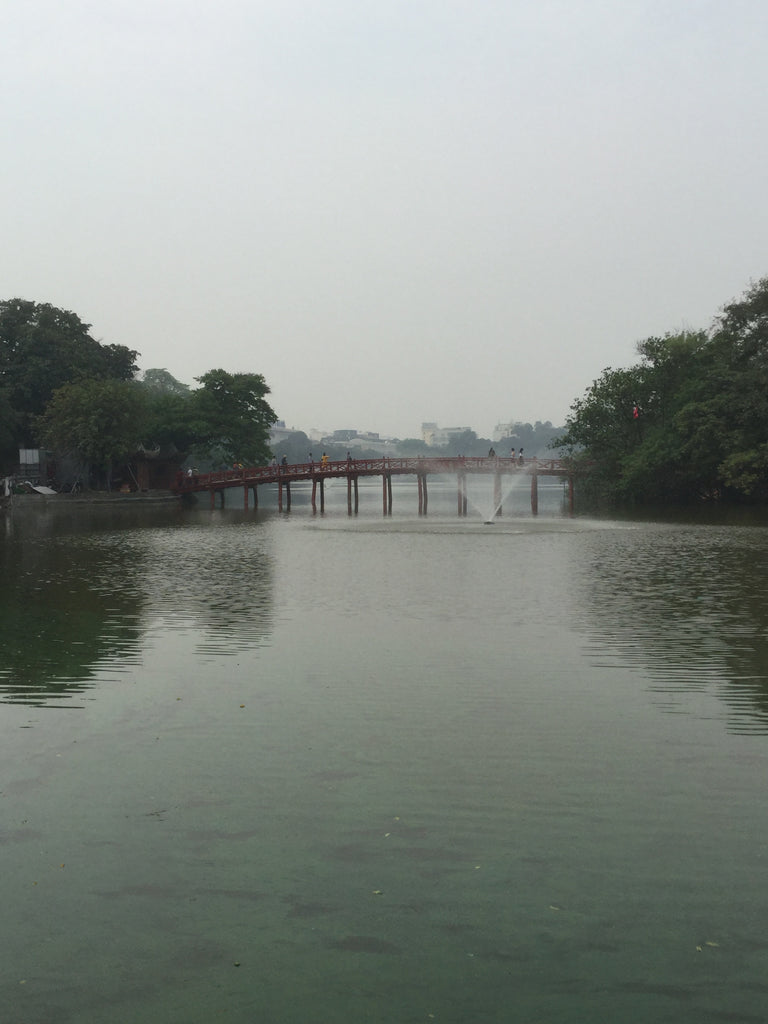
245	497
357	504
349	495
534	492
322	495
314	494
462	494
386	493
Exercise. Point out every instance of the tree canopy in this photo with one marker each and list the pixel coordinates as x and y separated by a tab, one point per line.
689	421
43	348
62	389
232	417
96	421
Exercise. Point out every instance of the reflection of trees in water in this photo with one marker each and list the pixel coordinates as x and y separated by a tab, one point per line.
79	590
63	608
215	583
689	605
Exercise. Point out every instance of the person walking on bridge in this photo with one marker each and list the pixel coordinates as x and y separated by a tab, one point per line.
324	461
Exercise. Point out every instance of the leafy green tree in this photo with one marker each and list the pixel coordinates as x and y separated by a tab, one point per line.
9	430
160	381
701	425
99	422
225	420
43	348
170	420
740	345
411	446
296	448
630	426
170	416
232	417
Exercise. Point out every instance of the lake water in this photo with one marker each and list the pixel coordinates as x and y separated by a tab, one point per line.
317	770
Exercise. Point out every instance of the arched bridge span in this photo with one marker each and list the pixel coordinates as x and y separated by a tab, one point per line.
421	467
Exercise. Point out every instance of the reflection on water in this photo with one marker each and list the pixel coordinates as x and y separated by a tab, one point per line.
63	608
81	593
381	769
686	606
85	593
214	585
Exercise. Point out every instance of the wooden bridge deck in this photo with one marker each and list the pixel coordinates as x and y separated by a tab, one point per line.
352	469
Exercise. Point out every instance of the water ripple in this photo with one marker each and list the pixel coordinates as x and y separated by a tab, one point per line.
686	607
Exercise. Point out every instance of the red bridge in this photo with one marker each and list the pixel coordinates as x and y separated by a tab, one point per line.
352	469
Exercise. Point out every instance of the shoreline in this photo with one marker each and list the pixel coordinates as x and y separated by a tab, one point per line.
93	498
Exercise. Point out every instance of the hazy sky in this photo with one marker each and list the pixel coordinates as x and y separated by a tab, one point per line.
395	211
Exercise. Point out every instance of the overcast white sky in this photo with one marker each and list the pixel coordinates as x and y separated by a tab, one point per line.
449	210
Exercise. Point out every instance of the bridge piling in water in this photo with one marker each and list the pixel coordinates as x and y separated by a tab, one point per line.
386	487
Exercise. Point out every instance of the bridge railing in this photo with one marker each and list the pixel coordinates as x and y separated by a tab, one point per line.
250	476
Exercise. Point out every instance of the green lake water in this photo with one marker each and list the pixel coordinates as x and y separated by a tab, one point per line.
319	770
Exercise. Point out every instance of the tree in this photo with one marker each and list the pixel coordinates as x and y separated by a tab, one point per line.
740	343
232	418
9	430
160	381
170	414
690	421
99	422
43	348
411	446
627	426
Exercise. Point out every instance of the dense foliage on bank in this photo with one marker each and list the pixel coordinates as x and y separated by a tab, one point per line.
62	390
689	421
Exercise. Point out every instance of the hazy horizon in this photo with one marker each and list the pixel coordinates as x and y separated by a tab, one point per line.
396	213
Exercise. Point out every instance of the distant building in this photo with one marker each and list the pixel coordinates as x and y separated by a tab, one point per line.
279	432
371	443
502	430
436	436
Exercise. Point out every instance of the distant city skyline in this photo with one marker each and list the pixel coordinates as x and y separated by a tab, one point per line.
441	434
